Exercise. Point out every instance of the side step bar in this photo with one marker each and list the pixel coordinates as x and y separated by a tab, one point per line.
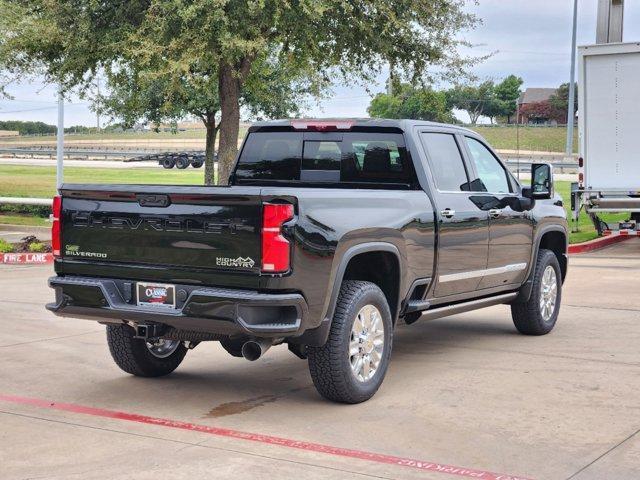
440	312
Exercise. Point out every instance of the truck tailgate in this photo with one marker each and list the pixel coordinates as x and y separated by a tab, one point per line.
192	227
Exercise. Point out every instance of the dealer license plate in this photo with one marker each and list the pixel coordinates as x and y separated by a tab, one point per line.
156	295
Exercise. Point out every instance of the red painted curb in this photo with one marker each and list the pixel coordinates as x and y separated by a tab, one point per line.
23	258
596	244
255	437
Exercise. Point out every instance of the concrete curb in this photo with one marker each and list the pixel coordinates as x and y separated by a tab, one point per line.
596	244
25	258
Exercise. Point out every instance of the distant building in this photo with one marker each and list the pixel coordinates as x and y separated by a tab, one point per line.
533	96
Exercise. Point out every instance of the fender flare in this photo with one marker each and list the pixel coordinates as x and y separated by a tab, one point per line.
525	290
342	267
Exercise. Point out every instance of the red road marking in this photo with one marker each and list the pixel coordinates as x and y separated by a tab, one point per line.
21	258
268	439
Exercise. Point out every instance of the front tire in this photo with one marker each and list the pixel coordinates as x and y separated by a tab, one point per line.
351	365
140	358
539	314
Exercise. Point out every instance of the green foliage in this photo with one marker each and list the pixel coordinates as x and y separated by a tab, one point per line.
27	128
239	47
37	247
487	99
475	99
411	102
559	102
35	210
507	93
5	247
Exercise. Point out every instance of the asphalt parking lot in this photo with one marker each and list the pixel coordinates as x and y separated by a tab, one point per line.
465	395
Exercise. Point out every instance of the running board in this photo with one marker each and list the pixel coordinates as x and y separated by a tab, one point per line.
440	312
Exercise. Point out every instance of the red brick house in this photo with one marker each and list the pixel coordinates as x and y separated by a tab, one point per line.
533	107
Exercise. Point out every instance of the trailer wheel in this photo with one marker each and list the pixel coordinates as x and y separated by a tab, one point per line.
539	314
141	358
182	163
197	164
168	162
351	366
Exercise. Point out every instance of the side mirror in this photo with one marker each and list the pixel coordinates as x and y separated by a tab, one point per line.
541	182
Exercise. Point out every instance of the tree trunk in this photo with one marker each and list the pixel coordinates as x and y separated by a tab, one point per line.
209	155
229	88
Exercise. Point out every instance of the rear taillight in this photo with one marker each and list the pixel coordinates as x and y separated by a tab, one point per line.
275	248
56	230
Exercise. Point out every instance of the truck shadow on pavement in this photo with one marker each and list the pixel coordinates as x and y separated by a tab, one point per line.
211	390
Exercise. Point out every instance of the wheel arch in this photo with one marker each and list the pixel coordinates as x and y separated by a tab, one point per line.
555	239
362	262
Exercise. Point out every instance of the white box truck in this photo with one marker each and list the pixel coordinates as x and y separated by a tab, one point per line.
609	132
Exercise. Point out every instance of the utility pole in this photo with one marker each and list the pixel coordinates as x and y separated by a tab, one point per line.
98	109
571	111
60	138
610	21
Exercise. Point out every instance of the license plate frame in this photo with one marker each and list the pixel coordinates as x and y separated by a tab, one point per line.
150	295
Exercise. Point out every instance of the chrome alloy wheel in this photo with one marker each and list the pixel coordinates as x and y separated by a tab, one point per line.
548	293
161	348
366	345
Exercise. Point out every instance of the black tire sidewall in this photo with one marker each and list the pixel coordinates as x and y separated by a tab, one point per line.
547	259
378	300
168	163
182	163
330	365
132	355
526	315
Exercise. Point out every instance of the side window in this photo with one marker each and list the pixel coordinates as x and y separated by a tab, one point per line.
447	165
493	177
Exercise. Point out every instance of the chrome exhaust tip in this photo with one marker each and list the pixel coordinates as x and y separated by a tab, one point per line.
253	349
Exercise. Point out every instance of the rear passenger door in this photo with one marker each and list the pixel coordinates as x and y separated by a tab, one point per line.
510	227
463	234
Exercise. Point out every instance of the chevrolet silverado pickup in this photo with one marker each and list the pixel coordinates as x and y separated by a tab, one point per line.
329	233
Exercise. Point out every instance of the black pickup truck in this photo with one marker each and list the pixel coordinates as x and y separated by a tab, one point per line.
330	232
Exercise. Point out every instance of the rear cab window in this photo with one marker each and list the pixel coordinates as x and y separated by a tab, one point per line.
340	158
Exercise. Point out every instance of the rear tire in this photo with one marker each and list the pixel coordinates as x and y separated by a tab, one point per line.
338	373
539	314
133	355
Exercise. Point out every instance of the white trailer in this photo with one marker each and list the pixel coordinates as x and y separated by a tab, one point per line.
609	132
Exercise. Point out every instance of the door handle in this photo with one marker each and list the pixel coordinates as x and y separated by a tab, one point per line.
447	212
495	213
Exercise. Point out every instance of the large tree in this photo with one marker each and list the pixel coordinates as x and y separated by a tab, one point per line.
157	93
348	39
407	101
475	99
507	93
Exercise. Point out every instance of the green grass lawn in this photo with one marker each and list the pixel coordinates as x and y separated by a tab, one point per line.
539	139
26	181
27	220
40	182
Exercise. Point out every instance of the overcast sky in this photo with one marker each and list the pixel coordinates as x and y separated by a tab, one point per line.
532	38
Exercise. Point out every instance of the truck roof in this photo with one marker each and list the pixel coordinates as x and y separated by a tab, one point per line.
400	124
